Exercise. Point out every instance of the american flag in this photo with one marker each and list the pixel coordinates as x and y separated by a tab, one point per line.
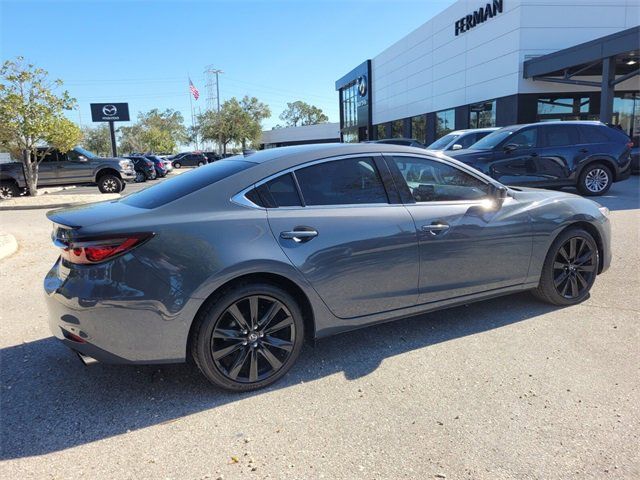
194	90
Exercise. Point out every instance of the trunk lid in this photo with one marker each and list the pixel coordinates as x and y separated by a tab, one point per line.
93	214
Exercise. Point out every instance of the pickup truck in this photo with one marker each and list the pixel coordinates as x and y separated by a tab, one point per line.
75	167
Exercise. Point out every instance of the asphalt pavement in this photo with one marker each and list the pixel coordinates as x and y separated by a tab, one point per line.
508	388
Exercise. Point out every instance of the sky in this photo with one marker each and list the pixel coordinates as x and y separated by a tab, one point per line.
143	52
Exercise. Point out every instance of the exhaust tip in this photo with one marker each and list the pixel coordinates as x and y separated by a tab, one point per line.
86	359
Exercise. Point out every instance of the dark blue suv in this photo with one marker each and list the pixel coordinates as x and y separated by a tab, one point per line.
587	155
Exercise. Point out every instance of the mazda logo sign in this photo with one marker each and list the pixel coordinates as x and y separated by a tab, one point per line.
109	110
362	85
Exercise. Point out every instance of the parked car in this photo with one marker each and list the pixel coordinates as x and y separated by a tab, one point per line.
588	155
407	142
192	159
75	167
460	139
211	156
305	242
145	168
159	164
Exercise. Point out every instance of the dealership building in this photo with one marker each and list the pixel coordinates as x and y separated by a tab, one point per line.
485	63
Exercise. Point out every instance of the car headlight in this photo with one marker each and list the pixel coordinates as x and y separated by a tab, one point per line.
125	163
604	210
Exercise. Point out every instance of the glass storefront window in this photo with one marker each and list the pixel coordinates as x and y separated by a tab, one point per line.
396	129
626	113
445	122
563	106
419	128
350	106
482	115
381	130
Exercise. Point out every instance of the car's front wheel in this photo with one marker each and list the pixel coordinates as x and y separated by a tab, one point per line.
248	337
570	268
177	165
595	180
200	164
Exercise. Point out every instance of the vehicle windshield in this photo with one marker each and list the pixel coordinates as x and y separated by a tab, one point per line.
490	141
86	153
443	142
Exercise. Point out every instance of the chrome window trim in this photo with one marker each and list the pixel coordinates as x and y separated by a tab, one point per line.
240	198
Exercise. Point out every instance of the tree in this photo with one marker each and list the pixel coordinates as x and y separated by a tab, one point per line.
97	139
239	121
300	113
32	116
155	131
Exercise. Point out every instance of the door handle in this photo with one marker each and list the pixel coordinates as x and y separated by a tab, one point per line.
435	228
584	150
299	236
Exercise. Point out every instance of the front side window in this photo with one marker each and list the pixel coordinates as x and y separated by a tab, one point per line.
431	181
341	182
465	141
524	138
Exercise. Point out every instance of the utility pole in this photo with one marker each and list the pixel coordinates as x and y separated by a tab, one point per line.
213	91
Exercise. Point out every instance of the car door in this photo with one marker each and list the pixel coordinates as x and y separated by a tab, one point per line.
513	161
559	152
466	246
357	250
48	168
75	168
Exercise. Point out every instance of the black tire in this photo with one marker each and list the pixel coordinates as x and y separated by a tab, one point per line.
200	164
595	180
8	189
177	165
110	184
558	281
140	177
218	356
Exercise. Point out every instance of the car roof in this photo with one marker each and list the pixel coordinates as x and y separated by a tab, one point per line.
467	130
559	122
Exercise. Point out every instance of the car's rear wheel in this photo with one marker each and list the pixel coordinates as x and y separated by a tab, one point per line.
8	189
109	184
177	165
249	337
200	164
140	177
570	268
595	180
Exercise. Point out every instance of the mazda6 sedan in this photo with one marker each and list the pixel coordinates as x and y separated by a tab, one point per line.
235	264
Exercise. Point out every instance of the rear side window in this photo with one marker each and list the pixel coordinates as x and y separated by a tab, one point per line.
560	135
279	192
342	182
184	184
594	134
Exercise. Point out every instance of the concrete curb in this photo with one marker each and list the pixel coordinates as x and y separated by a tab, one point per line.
8	245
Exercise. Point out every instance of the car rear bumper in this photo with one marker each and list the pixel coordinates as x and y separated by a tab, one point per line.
137	320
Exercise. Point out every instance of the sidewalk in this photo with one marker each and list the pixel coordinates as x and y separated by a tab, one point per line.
8	245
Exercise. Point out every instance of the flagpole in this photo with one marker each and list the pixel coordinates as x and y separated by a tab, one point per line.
193	125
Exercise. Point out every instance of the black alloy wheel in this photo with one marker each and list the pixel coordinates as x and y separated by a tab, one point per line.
570	268
249	337
253	339
574	268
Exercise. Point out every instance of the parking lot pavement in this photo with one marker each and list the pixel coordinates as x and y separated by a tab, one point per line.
505	388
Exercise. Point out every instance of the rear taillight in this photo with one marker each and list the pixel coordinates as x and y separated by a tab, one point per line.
99	250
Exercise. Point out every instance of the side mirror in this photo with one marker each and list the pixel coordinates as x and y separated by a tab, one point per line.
498	193
456	146
510	147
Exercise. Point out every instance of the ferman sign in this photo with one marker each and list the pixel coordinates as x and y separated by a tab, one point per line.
481	15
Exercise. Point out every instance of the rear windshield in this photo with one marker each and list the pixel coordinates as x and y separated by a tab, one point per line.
185	183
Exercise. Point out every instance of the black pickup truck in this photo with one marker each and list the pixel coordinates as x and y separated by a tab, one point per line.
75	167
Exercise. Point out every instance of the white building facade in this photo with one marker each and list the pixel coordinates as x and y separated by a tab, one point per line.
466	68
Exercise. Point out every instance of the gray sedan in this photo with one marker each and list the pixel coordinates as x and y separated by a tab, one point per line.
235	264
